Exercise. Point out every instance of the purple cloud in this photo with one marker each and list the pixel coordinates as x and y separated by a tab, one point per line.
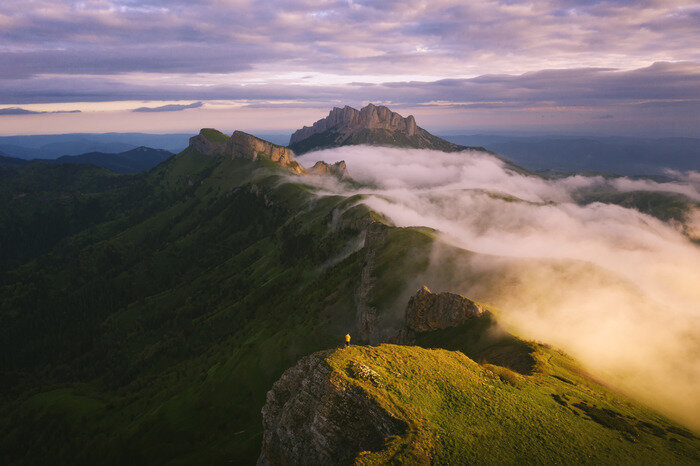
168	108
465	55
24	111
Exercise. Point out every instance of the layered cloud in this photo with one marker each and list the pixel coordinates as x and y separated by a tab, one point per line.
24	111
169	107
486	56
340	36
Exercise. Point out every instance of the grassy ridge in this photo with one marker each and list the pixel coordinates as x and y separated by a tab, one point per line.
461	412
176	323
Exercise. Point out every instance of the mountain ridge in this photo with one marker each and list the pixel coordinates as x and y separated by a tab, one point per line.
372	125
193	287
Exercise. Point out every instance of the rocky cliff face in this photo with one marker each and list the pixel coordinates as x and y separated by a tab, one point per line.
372	125
247	146
348	119
428	311
338	169
243	145
311	417
210	142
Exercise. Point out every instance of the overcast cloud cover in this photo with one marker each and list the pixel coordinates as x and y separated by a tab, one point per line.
616	288
634	64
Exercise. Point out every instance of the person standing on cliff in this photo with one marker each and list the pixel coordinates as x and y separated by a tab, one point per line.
347	340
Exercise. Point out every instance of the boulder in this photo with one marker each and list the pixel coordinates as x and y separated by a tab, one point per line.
427	311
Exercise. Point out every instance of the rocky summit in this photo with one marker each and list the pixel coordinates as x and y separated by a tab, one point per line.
338	169
243	145
372	125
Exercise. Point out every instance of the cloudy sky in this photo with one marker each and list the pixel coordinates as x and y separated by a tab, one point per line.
557	66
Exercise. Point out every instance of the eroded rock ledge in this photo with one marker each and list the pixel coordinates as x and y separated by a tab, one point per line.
243	145
427	311
338	169
311	417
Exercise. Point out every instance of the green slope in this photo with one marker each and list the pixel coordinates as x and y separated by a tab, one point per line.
461	412
171	326
151	329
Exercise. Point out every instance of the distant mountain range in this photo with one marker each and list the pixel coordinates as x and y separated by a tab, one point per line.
617	155
53	146
131	161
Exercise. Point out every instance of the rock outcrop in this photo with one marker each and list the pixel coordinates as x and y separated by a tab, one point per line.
338	169
311	417
210	142
372	125
243	145
428	311
350	119
247	146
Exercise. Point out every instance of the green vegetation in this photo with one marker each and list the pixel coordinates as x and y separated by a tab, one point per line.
461	412
170	320
662	205
485	341
214	135
144	317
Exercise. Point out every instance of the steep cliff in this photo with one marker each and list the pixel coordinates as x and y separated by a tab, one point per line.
312	417
243	145
372	125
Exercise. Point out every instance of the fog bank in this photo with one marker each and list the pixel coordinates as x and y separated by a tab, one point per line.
618	289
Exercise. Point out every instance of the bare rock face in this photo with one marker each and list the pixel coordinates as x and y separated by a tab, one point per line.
243	145
338	169
209	142
247	146
428	311
311	417
347	119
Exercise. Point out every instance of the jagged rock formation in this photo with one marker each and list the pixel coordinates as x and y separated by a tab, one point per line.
350	119
243	145
428	311
247	146
338	169
373	125
313	418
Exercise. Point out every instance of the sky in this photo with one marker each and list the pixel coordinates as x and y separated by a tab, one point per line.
547	66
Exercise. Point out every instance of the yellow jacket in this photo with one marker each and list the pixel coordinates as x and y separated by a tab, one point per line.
347	338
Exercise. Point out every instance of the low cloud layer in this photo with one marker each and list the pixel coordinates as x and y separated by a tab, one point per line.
614	287
168	108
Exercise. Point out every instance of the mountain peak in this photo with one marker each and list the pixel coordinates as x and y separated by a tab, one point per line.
347	120
242	145
373	125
